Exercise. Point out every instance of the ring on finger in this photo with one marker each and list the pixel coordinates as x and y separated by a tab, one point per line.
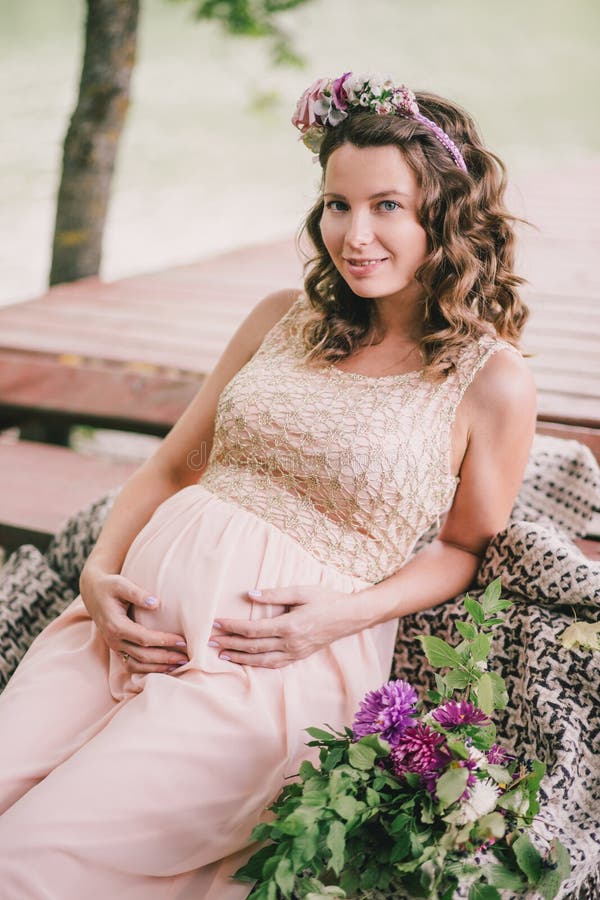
124	655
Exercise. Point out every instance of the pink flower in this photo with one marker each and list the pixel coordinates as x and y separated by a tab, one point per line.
339	92
421	750
455	714
497	755
305	114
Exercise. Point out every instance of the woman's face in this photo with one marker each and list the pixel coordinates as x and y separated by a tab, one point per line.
370	216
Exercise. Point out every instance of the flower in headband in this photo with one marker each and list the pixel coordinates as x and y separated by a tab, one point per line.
327	102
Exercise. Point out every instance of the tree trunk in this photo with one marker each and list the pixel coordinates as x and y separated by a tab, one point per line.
92	138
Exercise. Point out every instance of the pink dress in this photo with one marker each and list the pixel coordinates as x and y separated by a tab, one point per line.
146	787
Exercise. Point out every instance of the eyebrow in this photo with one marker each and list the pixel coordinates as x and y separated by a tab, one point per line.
372	197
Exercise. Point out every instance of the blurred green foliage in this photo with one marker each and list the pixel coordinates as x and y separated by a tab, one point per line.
253	18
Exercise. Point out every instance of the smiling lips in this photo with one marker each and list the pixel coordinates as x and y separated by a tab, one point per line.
364	266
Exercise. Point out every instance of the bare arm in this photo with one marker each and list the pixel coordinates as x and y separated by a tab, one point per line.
498	412
104	591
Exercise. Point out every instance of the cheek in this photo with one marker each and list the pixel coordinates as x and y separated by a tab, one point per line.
330	232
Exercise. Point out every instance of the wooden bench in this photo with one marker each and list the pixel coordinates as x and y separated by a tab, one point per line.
41	485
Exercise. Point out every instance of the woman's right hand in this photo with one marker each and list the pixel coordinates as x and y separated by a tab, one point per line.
107	598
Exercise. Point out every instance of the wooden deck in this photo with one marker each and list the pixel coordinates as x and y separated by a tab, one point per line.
131	354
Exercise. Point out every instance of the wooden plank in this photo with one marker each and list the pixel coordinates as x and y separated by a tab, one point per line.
87	394
568	410
43	485
588	436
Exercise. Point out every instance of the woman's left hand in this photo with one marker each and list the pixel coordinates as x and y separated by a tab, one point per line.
317	616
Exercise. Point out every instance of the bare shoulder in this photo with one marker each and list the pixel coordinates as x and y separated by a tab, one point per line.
504	389
267	313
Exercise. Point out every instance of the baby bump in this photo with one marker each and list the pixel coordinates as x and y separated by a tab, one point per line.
200	556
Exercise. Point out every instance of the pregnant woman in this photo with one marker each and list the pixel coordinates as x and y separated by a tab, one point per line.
250	577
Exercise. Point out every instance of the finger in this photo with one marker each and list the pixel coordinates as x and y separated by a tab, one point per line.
133	633
132	593
288	596
145	668
246	645
264	660
152	656
255	628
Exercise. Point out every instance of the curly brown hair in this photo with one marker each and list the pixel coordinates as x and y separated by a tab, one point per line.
469	286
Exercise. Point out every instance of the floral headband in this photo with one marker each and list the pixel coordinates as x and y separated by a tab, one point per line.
327	102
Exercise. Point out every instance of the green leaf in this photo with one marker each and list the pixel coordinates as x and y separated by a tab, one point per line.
336	843
500	692
483	892
304	848
515	801
492	602
400	848
285	877
315	798
480	648
551	879
438	652
361	756
349	882
456	680
377	743
307	770
373	798
528	859
457	748
493	825
252	871
333	758
369	877
475	610
499	774
345	806
484	692
505	879
491	595
439	683
451	785
466	630
321	735
399	824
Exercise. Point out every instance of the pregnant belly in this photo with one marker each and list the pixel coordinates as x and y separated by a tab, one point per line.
200	556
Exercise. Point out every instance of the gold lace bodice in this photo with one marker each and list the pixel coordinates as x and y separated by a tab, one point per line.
355	468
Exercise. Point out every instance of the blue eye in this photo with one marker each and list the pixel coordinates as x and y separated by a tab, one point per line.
393	203
330	204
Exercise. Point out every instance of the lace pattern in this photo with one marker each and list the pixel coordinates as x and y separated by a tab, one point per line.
355	468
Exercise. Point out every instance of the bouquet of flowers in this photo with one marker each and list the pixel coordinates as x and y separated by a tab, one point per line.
414	799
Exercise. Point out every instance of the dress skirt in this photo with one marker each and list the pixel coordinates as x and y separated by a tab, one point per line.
146	787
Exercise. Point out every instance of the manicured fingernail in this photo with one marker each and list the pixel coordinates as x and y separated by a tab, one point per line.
150	601
172	668
212	644
255	593
224	656
180	643
217	625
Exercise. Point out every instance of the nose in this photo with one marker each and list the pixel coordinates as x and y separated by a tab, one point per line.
360	230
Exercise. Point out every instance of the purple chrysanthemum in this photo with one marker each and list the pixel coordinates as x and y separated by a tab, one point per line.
388	710
454	714
421	750
497	755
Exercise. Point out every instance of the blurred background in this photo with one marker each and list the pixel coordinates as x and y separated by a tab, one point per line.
209	160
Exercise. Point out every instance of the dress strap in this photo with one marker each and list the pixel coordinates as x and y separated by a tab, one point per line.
471	361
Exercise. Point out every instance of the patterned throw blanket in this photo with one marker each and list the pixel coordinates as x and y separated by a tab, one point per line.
554	705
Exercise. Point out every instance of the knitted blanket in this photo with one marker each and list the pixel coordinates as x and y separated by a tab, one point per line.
554	708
